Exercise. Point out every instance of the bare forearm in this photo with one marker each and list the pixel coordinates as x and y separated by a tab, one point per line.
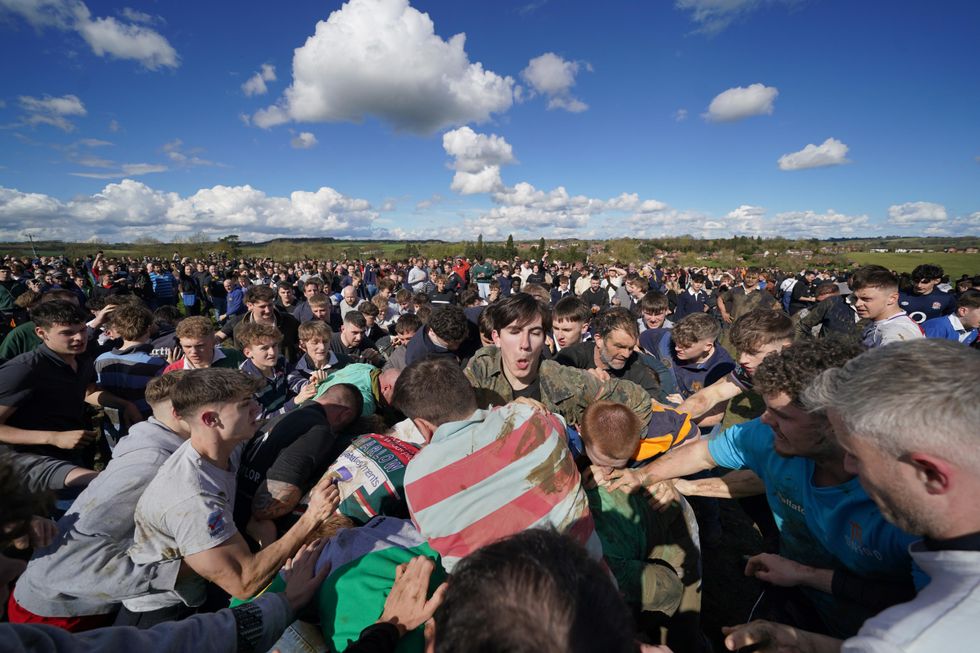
682	461
275	499
14	435
255	575
736	485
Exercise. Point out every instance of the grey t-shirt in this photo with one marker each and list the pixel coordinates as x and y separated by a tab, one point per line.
185	510
86	570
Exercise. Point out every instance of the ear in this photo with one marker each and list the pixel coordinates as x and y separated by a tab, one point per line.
247	350
209	418
495	336
935	474
425	427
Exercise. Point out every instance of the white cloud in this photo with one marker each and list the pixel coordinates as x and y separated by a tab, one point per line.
383	58
388	206
742	102
303	141
680	115
130	209
714	16
125	170
114	125
916	213
477	159
746	219
829	153
810	224
106	36
255	85
184	159
553	76
135	16
52	111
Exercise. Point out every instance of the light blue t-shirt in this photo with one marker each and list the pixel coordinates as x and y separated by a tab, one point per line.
830	527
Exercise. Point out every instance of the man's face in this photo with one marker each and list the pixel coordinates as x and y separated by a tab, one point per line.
568	332
320	312
4	275
285	295
615	349
310	289
750	360
594	284
655	320
891	483
157	269
228	284
520	348
635	290
695	350
795	431
212	270
261	310
237	419
604	462
351	334
316	348
369	320
64	339
264	353
696	286
199	351
871	303
925	286
970	317
349	296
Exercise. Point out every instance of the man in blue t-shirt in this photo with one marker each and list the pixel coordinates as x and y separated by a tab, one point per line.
839	561
926	302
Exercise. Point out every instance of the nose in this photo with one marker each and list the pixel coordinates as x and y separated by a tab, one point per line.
767	419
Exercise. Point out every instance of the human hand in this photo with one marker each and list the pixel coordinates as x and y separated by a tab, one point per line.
627	480
300	575
727	318
308	391
533	403
40	533
406	607
776	569
601	375
102	315
324	499
319	377
175	354
675	399
72	439
663	495
765	637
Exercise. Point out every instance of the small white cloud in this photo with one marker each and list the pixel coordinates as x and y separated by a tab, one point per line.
106	36
52	111
742	102
714	16
383	58
114	125
554	77
186	158
916	213
255	85
388	206
93	142
135	16
680	115
303	141
477	159
829	153
810	224
125	170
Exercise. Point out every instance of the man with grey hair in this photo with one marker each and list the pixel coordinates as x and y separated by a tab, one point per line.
907	417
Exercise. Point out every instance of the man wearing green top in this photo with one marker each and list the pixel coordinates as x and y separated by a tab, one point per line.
482	272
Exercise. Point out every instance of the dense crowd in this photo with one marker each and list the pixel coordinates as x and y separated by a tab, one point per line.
483	455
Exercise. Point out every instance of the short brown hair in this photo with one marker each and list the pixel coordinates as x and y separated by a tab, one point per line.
571	308
131	321
758	328
369	309
318	299
160	387
407	323
520	309
315	330
196	326
214	385
695	327
654	302
611	427
423	381
260	294
613	319
873	276
252	333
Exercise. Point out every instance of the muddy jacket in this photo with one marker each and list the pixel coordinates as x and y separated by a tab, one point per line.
564	390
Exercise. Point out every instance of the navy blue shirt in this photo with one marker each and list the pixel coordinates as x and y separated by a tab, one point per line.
925	307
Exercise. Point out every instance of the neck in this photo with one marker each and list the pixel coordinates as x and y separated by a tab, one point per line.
126	344
829	469
889	312
597	358
265	369
171	423
516	383
215	451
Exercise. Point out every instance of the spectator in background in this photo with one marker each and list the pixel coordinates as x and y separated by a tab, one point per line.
960	325
926	301
876	299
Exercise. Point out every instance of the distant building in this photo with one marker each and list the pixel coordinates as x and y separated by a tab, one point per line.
879	250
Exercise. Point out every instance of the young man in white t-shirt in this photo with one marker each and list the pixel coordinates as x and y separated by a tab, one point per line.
875	296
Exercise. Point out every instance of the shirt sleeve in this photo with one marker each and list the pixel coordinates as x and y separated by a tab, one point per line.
298	463
740	446
201	523
15	383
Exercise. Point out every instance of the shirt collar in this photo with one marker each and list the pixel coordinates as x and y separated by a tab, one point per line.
969	542
955	321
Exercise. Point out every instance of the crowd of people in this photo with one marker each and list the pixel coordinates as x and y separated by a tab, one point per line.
483	455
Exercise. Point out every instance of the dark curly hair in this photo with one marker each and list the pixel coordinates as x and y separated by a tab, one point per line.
449	323
792	369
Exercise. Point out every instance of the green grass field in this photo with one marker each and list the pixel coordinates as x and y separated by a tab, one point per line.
955	265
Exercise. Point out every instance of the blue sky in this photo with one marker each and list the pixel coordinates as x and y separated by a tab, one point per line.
384	118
